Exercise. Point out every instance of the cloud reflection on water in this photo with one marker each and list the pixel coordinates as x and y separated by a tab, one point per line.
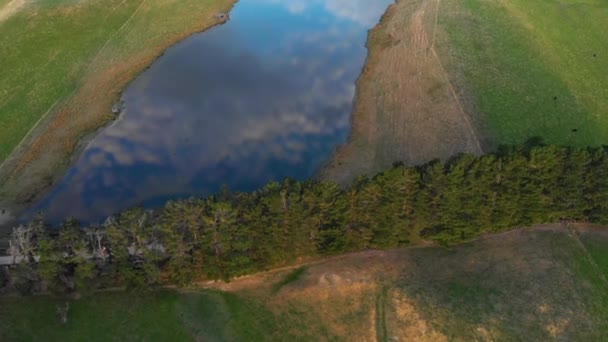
218	109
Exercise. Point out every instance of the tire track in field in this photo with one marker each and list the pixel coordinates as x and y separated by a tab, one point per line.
450	85
575	236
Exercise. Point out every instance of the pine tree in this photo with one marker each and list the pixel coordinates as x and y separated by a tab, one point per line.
357	231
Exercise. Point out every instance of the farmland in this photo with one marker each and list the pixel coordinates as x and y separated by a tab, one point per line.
442	77
531	68
541	283
450	76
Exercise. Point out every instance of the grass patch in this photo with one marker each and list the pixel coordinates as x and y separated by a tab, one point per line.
289	278
596	247
154	316
45	55
513	287
531	68
591	267
108	316
220	316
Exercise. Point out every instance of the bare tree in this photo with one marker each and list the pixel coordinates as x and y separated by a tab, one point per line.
96	238
13	251
101	251
21	243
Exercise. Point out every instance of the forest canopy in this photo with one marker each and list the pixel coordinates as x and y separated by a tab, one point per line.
231	234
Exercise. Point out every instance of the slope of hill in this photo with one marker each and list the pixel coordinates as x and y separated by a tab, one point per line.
451	76
544	283
530	68
64	64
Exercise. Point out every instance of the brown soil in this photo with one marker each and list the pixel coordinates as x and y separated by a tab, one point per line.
405	109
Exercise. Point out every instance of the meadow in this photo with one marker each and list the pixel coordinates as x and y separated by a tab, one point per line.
46	49
161	315
445	77
530	68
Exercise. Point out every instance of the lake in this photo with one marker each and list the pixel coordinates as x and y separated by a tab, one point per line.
265	96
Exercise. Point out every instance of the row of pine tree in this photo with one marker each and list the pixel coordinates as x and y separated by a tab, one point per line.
232	234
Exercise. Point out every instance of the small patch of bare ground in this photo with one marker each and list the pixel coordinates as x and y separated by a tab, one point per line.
405	323
10	9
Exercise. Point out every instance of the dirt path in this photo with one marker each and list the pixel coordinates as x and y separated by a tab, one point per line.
11	8
406	108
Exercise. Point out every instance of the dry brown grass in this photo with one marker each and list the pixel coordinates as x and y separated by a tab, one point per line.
522	284
406	324
405	108
12	7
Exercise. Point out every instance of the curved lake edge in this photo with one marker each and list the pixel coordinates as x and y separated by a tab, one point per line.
324	171
419	126
85	141
11	209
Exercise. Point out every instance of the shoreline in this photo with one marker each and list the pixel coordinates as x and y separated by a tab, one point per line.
405	107
15	163
375	131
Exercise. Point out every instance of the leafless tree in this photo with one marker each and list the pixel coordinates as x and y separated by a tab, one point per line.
96	238
140	232
21	243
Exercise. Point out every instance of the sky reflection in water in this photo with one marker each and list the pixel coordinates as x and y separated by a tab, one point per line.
265	96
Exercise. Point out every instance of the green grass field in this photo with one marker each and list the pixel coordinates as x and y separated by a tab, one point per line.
531	68
49	49
536	284
45	51
153	316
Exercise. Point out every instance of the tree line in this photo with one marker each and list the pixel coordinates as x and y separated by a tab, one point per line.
231	234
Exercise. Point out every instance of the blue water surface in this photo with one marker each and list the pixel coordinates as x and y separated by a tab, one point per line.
267	95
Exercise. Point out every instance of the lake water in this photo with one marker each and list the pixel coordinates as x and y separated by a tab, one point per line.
265	96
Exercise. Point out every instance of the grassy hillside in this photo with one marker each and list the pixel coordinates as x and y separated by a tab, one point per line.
45	50
536	284
450	76
530	68
49	47
71	60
